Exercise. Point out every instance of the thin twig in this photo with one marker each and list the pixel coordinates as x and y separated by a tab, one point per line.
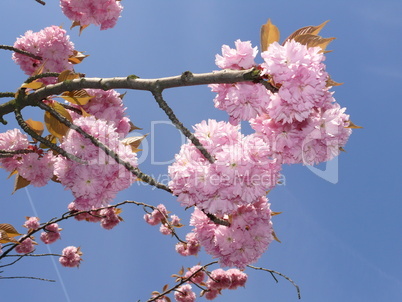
42	75
135	171
5	153
15	261
7	94
27	129
34	278
169	112
41	2
23	52
184	280
279	274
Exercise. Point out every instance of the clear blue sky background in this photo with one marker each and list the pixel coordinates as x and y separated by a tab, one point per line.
340	242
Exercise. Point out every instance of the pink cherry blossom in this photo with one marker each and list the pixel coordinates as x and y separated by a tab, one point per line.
51	233
197	277
25	247
237	277
110	218
99	12
107	105
241	173
157	216
211	294
316	139
299	73
32	223
219	279
241	243
242	101
240	58
12	140
184	293
71	256
51	44
37	168
191	247
94	184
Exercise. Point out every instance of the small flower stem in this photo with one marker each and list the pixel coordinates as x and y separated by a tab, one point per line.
272	272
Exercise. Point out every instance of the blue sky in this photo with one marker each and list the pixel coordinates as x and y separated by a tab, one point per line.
340	242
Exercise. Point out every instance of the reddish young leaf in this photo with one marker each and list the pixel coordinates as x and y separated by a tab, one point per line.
36	126
313	30
20	182
53	125
269	34
313	41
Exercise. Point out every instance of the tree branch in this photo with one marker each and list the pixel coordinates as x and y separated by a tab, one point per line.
27	129
135	83
184	280
272	272
135	171
169	112
23	52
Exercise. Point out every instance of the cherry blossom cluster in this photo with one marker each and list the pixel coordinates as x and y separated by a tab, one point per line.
160	216
96	183
217	281
107	105
54	47
191	247
71	256
37	167
103	13
26	246
316	139
240	174
241	243
220	279
108	217
301	122
242	101
51	233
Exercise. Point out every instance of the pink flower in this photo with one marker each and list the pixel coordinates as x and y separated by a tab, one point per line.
241	173
32	223
198	277
211	294
240	58
157	216
71	256
107	105
51	44
242	101
99	12
12	140
25	247
219	279
94	184
184	294
237	277
110	218
191	247
37	169
241	243
316	139
300	75
51	233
